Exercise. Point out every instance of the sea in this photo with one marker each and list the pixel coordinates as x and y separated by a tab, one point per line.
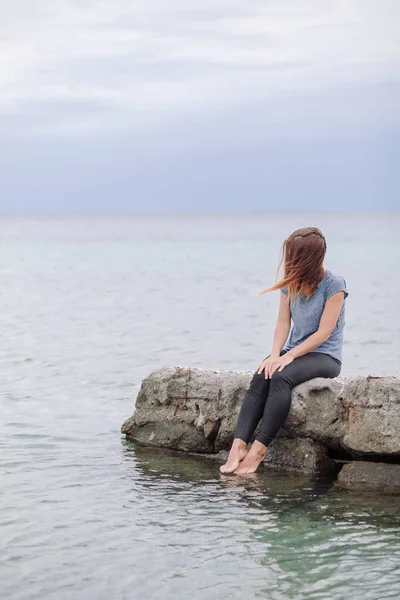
91	305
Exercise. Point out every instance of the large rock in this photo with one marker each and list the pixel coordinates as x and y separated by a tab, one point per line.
364	475
196	410
187	409
360	415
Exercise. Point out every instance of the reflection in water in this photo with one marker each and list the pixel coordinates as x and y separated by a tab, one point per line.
296	534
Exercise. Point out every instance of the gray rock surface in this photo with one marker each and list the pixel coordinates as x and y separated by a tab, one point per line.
358	414
196	409
188	409
364	475
300	454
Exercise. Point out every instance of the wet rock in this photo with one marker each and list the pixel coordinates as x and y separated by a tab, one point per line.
196	410
366	475
300	455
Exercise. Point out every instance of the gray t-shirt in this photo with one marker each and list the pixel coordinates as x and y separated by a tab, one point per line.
306	315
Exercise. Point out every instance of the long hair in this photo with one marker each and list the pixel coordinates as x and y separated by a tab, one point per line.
302	253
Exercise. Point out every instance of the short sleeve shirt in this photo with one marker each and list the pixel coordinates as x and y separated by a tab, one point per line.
306	315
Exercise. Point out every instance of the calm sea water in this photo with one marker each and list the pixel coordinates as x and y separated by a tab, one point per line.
90	306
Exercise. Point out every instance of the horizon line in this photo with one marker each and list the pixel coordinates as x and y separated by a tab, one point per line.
188	213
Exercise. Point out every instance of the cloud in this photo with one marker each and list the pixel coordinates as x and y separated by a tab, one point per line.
92	67
201	104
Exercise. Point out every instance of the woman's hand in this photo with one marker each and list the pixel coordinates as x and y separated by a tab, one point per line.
268	365
283	361
273	363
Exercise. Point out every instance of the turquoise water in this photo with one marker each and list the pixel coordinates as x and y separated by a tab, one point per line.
88	307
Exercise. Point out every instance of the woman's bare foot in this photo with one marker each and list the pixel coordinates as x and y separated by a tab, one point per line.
253	458
237	453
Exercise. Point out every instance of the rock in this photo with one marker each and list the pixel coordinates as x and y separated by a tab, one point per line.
357	414
300	455
195	410
366	475
128	425
188	409
211	428
220	457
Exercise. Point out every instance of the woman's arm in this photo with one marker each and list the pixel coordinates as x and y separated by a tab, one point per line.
327	323
282	327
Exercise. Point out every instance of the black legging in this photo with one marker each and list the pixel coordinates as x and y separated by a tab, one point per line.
270	399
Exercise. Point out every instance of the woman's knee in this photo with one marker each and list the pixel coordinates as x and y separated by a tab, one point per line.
257	379
280	379
258	383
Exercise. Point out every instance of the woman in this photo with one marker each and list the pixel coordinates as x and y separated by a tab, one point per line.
314	298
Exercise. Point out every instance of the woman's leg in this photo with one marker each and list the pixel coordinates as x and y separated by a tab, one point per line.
252	408
277	405
251	411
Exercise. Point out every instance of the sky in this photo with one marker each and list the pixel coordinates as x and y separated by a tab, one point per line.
199	105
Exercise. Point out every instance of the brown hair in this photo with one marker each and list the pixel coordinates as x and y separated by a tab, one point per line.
302	253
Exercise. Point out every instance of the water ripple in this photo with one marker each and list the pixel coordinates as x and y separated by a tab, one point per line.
86	311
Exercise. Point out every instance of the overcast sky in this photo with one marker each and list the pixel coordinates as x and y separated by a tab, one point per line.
211	105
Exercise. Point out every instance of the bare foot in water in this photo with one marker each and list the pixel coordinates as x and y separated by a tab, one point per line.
237	453
253	458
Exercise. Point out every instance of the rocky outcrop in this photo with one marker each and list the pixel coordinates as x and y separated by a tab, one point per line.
299	454
195	410
365	475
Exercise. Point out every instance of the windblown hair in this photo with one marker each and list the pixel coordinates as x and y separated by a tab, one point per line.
302	253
